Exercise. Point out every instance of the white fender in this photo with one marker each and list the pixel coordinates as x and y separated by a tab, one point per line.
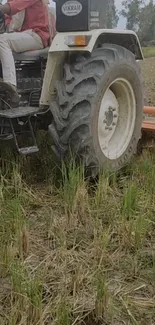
125	38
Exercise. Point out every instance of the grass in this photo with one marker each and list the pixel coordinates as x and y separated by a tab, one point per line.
148	52
74	253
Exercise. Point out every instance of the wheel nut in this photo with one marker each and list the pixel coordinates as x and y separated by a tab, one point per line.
110	128
114	109
113	123
104	121
107	127
115	115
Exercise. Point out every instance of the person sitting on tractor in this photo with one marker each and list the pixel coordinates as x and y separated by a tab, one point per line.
33	34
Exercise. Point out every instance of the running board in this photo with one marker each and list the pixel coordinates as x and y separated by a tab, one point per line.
28	150
19	112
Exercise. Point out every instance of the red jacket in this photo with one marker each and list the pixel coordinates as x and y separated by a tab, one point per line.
36	17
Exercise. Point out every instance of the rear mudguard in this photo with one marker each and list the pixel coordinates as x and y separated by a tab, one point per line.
58	49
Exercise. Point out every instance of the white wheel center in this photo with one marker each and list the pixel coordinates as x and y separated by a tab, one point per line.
116	118
108	118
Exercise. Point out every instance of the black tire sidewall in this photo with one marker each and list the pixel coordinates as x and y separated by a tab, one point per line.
130	72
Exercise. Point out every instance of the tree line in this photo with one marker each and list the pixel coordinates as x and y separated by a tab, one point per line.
139	15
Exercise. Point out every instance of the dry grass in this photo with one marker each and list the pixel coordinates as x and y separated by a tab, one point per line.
73	252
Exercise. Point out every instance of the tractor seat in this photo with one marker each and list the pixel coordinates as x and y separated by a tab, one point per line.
31	55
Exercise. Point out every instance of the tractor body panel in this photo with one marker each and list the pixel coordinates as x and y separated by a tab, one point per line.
53	72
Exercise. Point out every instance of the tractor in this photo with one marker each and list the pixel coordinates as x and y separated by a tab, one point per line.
86	90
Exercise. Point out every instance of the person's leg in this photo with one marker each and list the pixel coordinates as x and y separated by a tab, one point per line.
16	42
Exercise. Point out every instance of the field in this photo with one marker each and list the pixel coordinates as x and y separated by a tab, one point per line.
148	68
149	52
73	253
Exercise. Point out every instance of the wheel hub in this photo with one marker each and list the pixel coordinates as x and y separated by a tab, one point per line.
116	118
108	118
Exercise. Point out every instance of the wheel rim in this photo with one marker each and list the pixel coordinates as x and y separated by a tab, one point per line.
116	119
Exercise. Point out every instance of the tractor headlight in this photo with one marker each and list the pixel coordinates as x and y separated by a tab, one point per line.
77	40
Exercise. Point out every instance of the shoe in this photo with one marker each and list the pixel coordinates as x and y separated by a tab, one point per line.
15	98
11	92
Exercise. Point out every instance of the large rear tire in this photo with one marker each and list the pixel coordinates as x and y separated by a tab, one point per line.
98	109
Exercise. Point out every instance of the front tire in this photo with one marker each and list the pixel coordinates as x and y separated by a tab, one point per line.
98	110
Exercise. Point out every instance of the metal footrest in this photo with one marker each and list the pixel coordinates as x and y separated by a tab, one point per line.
19	112
28	150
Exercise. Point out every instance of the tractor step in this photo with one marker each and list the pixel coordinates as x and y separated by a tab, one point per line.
28	150
19	112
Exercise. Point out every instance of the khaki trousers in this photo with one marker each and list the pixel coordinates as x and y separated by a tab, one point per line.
16	42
